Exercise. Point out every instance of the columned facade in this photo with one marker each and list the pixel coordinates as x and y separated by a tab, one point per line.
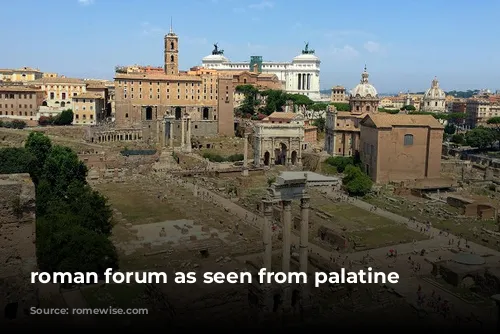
283	192
300	76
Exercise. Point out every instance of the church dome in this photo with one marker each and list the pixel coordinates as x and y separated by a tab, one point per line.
364	88
435	93
215	59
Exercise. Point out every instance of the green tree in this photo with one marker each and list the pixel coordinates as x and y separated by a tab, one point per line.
494	121
16	160
450	129
65	118
250	101
389	111
408	108
341	106
340	163
275	101
480	137
62	167
320	106
320	124
300	100
356	182
63	246
458	138
39	146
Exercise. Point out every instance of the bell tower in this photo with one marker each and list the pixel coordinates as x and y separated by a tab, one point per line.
171	52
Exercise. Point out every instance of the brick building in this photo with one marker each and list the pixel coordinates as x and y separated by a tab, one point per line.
400	147
20	102
144	98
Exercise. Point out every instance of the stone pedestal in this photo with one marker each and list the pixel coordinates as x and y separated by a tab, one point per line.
287	230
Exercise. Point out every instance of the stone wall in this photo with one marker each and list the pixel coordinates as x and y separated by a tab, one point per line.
17	245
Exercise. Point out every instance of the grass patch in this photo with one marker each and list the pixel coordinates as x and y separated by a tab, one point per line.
367	228
138	206
460	226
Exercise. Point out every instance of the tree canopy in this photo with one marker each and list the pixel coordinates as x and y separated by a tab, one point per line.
73	221
341	106
480	137
356	182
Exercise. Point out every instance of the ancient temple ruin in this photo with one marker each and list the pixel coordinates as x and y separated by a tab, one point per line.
286	189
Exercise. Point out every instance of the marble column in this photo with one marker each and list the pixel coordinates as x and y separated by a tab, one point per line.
163	132
304	232
304	247
267	234
245	155
287	230
188	136
171	133
182	133
287	243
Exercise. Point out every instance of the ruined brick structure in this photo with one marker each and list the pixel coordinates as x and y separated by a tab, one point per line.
17	246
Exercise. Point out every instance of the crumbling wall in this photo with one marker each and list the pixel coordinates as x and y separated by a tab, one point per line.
17	245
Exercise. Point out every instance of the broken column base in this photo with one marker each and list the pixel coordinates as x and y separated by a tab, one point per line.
244	172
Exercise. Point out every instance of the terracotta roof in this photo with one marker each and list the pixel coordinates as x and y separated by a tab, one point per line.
156	77
349	114
18	89
88	96
382	120
282	115
59	80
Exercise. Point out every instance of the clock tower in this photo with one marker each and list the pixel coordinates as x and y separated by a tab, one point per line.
171	53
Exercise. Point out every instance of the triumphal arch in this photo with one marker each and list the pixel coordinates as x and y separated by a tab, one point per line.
278	144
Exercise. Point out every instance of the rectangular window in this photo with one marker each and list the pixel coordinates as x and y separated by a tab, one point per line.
408	140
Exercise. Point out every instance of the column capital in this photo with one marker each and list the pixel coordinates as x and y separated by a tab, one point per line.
267	207
287	204
305	201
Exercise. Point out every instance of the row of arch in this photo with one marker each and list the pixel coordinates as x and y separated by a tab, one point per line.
177	113
62	104
280	156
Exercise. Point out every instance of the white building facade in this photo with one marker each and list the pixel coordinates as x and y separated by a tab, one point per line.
300	76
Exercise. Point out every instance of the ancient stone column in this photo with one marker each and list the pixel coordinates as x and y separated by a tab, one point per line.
287	230
182	133
163	134
304	233
245	156
304	247
171	134
267	234
188	137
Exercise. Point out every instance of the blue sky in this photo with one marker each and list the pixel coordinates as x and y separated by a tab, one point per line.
403	43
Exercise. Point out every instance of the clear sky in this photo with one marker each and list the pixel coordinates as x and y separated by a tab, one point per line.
403	43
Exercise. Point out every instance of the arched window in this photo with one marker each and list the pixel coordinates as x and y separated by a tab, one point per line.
408	140
172	47
171	58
